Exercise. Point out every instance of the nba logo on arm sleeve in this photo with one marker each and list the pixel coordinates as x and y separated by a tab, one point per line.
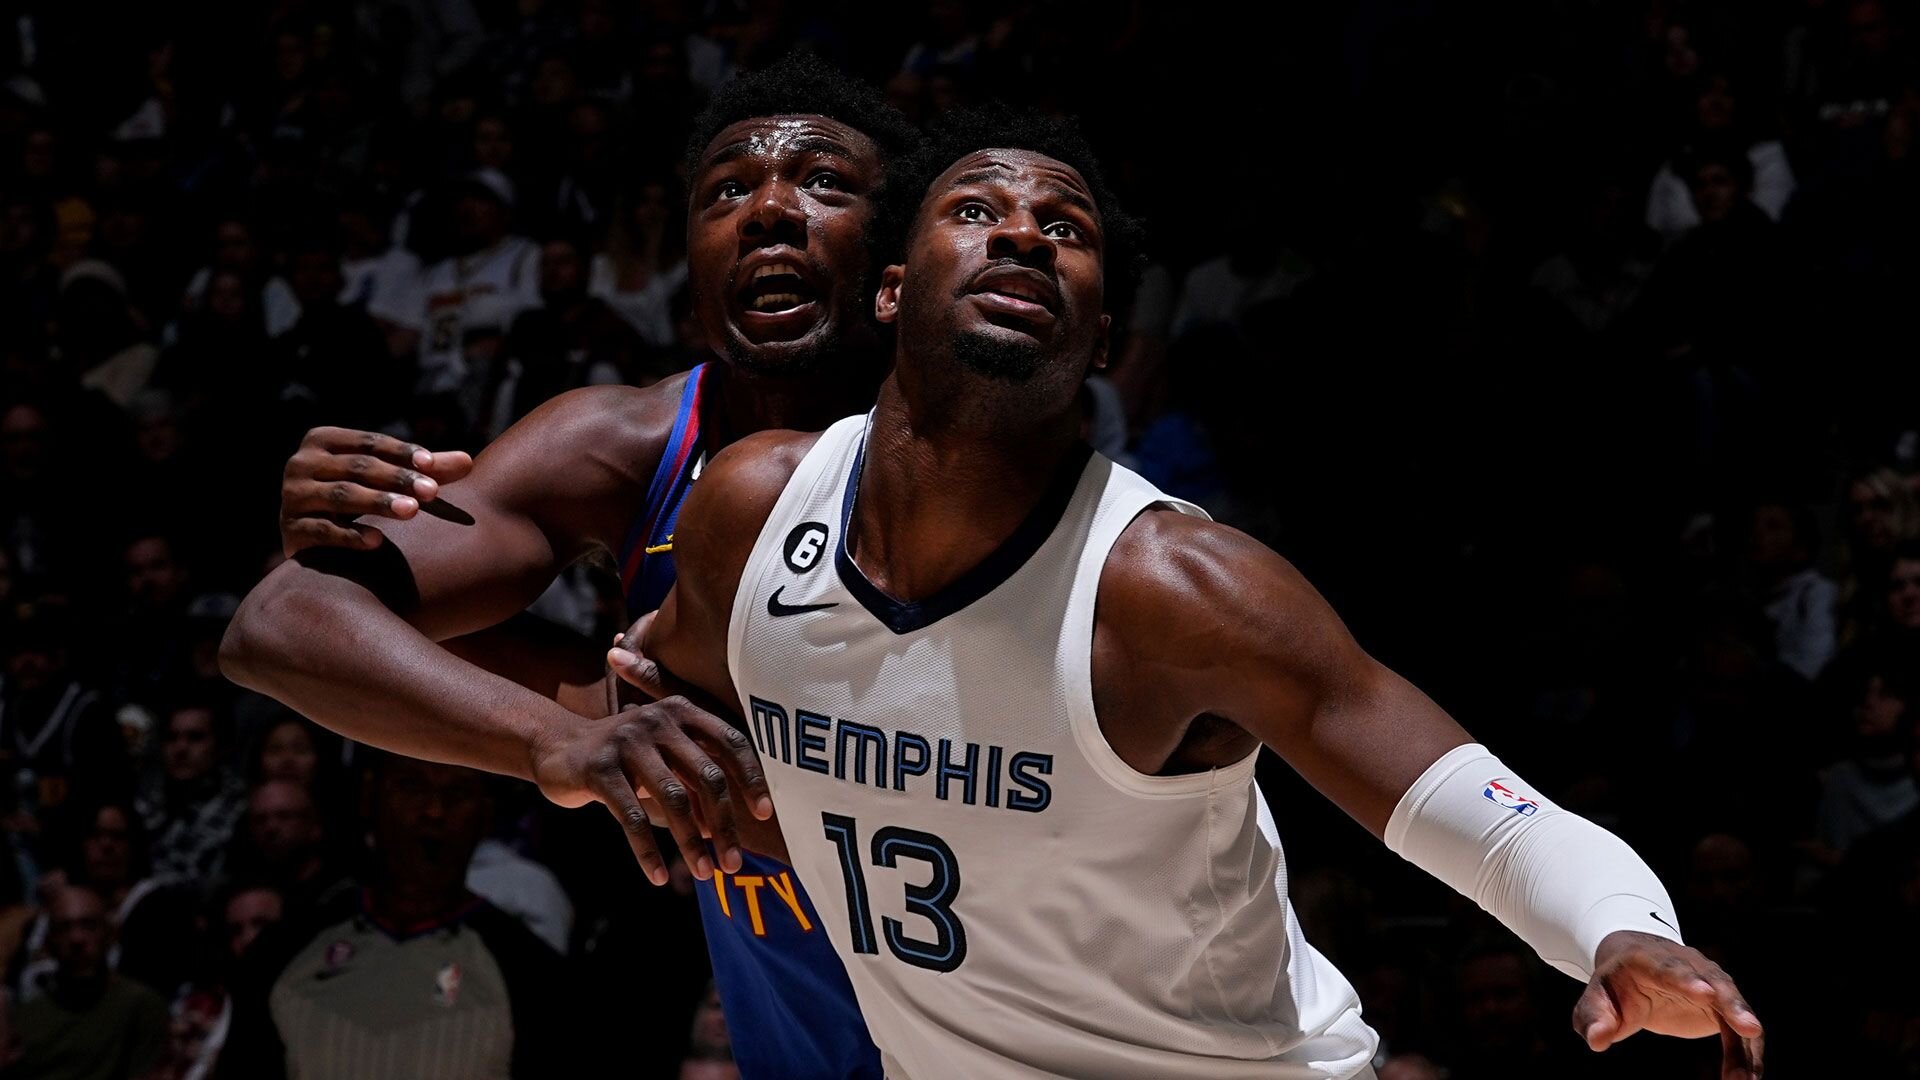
1502	795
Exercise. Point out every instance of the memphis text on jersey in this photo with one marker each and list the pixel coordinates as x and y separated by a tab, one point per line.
901	760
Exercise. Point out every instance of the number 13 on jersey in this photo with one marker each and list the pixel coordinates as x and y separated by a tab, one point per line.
933	900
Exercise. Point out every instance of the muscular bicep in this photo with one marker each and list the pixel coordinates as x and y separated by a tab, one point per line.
1227	628
556	485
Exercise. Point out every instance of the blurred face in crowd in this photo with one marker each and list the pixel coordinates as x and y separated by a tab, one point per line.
154	580
1716	191
1903	594
709	1023
233	246
562	277
553	82
188	750
492	143
479	219
777	260
288	754
427	819
1003	283
23	438
1720	873
247	914
227	296
315	278
1876	716
652	209
77	934
587	133
1714	108
1871	515
1774	543
282	823
107	849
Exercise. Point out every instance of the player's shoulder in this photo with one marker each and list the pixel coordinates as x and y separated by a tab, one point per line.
1171	565
624	428
736	494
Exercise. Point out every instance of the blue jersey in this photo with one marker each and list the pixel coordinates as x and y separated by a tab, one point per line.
790	1008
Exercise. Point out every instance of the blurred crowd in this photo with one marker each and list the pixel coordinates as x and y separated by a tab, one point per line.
1561	344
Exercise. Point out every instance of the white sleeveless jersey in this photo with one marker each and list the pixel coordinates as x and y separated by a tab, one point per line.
1010	898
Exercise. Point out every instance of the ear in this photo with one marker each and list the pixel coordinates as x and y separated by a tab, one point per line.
1102	343
886	302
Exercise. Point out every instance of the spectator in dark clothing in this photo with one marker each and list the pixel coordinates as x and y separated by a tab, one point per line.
336	359
411	968
87	1023
571	340
191	806
58	737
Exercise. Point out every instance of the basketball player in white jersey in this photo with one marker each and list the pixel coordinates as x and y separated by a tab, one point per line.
1008	698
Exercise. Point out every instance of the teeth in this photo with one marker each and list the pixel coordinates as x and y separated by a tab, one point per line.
776	301
773	268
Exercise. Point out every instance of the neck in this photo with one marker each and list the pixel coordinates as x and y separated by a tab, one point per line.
406	903
940	489
740	403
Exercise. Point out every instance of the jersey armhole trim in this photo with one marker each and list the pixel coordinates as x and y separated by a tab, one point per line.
1077	651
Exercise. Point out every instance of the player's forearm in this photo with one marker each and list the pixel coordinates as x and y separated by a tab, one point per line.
1558	881
328	648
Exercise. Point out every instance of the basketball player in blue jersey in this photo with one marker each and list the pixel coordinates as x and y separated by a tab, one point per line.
362	631
1008	698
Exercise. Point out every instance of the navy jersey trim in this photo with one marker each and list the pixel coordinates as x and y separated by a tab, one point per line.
906	616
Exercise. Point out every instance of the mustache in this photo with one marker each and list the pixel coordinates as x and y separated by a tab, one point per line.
965	288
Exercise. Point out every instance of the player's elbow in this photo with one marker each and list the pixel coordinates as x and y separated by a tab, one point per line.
262	638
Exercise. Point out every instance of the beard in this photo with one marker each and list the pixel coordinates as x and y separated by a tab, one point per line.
798	361
1008	359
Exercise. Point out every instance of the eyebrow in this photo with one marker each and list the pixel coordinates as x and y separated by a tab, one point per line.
1058	190
739	148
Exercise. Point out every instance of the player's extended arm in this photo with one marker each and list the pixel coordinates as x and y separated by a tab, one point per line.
1197	619
348	637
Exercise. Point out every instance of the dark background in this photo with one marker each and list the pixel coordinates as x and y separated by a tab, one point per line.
1565	346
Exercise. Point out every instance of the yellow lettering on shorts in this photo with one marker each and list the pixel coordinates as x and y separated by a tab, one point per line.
783	887
720	890
750	884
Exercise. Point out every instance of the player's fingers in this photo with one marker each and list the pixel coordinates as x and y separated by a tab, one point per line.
1731	1004
637	671
716	798
344	498
445	466
610	784
301	533
369	471
645	768
1596	1018
1739	1056
339	440
736	753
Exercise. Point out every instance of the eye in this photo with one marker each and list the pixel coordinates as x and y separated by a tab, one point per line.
974	211
1062	230
730	189
823	181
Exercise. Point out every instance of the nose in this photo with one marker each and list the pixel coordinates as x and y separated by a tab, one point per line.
774	217
1017	236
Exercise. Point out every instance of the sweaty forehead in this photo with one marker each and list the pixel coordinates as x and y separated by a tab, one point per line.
776	137
1013	167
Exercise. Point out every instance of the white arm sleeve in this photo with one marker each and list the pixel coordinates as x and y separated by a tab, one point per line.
1554	878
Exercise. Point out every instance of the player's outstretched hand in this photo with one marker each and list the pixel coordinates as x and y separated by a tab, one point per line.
671	754
339	474
1642	982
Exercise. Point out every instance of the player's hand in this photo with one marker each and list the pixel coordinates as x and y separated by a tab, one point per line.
689	765
339	474
1642	982
631	665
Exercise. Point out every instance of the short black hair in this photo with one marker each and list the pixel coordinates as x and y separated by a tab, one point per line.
802	84
964	131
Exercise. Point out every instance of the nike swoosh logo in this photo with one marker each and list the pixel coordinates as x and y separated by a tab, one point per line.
1661	921
779	610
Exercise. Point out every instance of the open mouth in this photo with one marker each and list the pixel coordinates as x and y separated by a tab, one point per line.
776	288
